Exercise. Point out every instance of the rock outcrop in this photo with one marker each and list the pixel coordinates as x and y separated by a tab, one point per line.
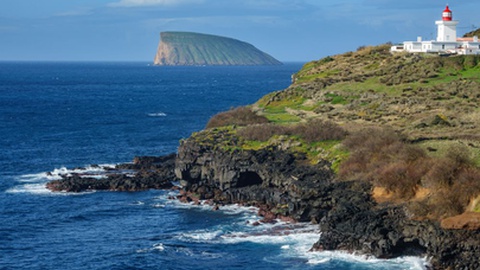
194	49
143	174
282	181
284	185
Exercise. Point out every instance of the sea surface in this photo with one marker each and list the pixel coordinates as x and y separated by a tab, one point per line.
59	118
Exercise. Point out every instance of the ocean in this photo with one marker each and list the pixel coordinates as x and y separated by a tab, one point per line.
59	118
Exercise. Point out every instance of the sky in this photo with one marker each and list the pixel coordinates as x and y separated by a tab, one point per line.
289	30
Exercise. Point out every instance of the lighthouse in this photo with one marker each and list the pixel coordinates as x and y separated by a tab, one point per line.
447	27
446	42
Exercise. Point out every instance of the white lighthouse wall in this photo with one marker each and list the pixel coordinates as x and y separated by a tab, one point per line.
446	31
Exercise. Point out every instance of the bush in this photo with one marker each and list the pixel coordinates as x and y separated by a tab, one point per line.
466	186
402	177
460	155
441	174
312	131
384	159
371	139
319	130
370	150
381	156
262	132
241	116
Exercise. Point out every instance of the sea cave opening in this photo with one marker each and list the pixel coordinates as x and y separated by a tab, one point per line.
247	179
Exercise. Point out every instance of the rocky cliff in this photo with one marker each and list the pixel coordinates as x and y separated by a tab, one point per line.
409	184
420	149
215	165
194	49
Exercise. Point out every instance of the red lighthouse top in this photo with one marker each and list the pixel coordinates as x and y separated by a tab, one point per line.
447	14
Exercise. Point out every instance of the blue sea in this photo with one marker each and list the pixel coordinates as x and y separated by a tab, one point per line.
59	118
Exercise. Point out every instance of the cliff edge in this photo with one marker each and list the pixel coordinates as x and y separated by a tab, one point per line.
195	49
380	149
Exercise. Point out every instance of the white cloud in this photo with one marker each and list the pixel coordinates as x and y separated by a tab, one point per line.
140	3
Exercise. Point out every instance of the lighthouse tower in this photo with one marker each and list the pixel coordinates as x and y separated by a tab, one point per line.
446	43
446	28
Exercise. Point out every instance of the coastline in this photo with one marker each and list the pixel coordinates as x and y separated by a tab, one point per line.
348	218
294	182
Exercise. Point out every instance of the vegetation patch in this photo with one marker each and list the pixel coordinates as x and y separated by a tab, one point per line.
283	118
385	159
432	100
312	131
241	116
336	99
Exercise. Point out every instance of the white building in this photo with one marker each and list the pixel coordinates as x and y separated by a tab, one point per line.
446	42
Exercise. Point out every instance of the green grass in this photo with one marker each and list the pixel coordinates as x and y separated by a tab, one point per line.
440	148
476	207
254	145
320	75
282	118
337	99
329	150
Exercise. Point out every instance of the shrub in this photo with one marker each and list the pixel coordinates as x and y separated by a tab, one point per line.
380	156
241	116
441	174
460	155
319	130
402	177
384	159
371	139
312	131
445	204
262	132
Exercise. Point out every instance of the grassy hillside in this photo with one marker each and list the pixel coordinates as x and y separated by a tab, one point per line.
473	33
185	48
423	96
407	123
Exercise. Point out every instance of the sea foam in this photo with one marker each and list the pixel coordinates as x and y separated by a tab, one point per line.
293	240
36	183
157	114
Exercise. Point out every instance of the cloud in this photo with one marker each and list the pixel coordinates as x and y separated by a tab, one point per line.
142	3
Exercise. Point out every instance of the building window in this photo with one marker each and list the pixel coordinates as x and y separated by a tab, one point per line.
443	46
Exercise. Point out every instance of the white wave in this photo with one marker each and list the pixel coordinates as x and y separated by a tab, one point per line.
236	209
233	209
158	114
407	262
287	237
156	247
138	203
201	236
296	240
36	183
159	247
37	189
293	240
158	205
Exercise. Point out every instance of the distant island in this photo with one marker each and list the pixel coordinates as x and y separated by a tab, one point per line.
195	49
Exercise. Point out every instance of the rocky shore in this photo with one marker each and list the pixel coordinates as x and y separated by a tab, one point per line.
286	186
143	174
